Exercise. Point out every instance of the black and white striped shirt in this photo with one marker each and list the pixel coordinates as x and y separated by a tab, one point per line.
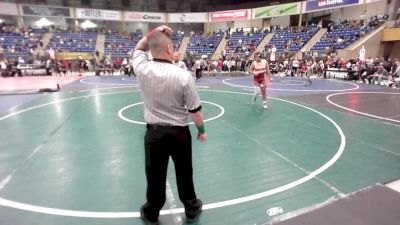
169	92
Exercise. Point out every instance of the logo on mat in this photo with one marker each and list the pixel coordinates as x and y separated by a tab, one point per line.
274	211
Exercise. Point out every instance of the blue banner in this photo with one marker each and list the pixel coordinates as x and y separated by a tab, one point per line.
312	5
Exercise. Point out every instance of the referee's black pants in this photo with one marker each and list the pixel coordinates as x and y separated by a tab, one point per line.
161	142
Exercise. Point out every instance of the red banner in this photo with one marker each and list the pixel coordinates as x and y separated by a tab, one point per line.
242	14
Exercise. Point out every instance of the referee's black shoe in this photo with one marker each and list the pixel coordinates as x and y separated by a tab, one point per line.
146	220
192	216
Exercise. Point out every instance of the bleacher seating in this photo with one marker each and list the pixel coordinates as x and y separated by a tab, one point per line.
73	42
343	34
119	46
200	44
176	41
16	45
39	30
340	38
294	41
238	40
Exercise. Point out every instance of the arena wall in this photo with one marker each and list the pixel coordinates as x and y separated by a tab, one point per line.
133	27
395	50
247	23
218	26
58	22
284	21
354	12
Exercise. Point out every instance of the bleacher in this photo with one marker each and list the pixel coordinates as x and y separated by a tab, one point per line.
39	30
119	46
294	41
344	34
347	36
16	45
238	40
176	41
200	44
73	42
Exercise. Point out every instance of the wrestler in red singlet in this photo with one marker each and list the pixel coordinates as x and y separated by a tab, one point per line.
260	69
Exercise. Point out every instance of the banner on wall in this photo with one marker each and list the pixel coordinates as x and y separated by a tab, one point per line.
242	14
97	14
277	10
145	17
187	17
313	5
8	9
45	11
73	55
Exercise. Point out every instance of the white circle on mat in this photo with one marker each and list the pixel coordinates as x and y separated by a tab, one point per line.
121	113
328	98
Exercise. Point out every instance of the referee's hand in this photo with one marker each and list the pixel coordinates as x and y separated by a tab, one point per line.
201	137
165	29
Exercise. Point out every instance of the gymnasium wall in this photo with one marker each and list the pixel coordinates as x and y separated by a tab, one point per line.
236	24
354	12
133	27
31	21
246	23
395	50
284	21
217	26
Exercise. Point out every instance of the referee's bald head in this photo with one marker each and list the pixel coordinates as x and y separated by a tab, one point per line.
160	45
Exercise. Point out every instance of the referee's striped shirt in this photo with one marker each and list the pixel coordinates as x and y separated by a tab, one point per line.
169	92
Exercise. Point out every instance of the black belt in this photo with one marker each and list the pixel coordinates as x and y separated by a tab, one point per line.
159	127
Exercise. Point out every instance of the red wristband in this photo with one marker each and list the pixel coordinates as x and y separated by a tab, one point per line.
148	36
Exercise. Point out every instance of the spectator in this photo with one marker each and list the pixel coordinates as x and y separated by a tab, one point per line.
381	74
3	64
178	62
219	67
21	61
395	78
197	67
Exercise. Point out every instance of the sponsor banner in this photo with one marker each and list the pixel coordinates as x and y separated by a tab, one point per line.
277	10
97	14
45	11
73	55
145	17
340	74
314	5
8	9
187	17
242	14
30	70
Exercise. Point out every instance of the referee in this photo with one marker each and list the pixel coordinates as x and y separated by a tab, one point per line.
169	94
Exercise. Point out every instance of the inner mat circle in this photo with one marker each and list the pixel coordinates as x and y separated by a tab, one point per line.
215	113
